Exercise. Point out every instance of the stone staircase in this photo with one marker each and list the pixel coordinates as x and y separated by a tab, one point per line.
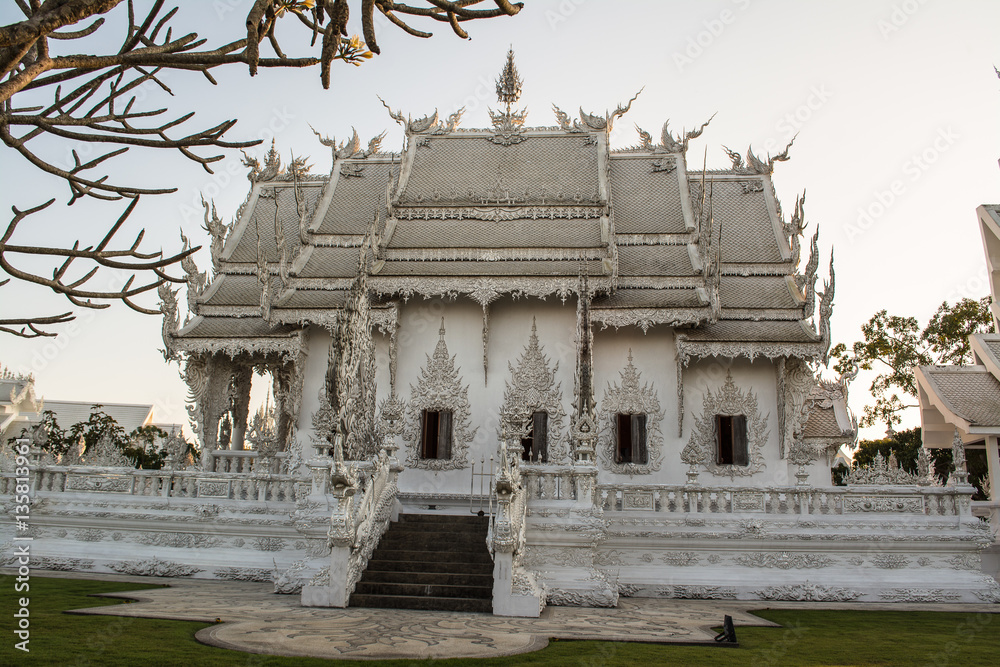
430	561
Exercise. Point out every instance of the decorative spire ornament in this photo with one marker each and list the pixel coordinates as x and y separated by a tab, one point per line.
509	83
508	123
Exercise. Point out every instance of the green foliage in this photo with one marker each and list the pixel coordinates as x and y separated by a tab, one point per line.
137	445
140	447
97	426
893	345
838	473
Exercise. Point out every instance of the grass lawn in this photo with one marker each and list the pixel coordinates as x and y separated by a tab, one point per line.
807	638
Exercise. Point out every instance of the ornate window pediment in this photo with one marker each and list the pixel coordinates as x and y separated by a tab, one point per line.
702	446
630	398
532	388
439	390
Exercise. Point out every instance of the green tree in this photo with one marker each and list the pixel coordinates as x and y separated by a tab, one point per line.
893	345
139	445
142	447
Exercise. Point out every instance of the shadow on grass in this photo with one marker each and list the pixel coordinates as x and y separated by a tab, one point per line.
807	638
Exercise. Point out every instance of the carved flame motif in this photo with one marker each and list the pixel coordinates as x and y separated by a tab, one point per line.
532	387
439	388
631	397
881	471
730	400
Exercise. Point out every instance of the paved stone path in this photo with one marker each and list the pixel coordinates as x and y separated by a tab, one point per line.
256	620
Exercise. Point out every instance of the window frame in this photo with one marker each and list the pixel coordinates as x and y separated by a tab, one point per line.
637	449
535	449
731	440
436	447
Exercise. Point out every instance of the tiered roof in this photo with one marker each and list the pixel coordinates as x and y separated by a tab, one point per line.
516	210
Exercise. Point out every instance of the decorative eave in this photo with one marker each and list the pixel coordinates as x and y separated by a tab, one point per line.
645	318
939	416
983	351
483	290
732	350
688	349
287	344
385	317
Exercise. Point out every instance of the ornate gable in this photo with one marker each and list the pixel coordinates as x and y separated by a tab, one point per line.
630	398
439	388
730	400
532	387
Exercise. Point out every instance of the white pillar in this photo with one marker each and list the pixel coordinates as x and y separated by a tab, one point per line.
993	474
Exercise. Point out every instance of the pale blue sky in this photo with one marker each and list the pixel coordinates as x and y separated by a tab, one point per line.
884	96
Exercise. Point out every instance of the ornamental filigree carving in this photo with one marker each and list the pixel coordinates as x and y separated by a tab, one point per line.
630	398
439	388
808	592
796	381
881	471
729	401
785	560
532	387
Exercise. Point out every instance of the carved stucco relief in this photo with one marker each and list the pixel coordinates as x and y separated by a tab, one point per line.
630	397
730	400
439	388
532	387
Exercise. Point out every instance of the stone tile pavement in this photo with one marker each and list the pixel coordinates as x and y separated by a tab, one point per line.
250	617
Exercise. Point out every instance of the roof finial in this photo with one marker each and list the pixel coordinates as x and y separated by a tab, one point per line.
509	83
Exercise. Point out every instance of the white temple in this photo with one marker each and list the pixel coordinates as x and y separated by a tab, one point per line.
612	355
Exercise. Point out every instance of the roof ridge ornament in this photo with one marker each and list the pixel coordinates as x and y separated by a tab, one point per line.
755	165
594	122
669	142
508	124
510	82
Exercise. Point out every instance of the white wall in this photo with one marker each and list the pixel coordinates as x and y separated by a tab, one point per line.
654	355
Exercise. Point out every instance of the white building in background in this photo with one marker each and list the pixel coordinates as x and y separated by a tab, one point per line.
962	403
21	410
632	346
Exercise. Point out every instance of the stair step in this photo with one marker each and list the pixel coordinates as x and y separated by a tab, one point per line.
422	590
429	578
434	541
416	602
436	567
430	561
444	519
424	555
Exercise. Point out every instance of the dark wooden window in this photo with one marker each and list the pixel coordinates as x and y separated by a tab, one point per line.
631	437
535	446
435	434
731	440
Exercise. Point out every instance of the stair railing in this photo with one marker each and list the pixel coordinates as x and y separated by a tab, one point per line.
365	498
515	593
486	495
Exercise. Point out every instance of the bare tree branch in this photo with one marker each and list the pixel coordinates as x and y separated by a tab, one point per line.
100	108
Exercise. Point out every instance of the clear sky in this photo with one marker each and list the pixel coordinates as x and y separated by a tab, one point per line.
895	106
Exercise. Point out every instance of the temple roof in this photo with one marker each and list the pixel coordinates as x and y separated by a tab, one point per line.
522	210
970	393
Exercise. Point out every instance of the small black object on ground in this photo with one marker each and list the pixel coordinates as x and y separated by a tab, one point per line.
728	634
